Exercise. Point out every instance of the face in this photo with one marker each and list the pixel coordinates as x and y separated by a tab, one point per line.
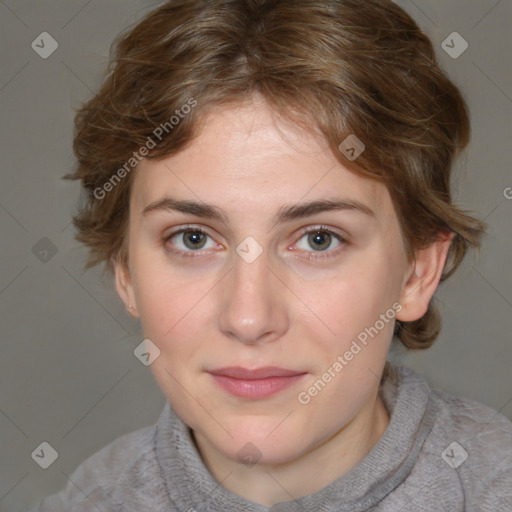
252	278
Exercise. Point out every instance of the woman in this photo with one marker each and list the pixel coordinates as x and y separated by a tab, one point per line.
269	183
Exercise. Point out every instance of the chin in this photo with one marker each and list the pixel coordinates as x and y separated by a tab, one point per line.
272	452
252	443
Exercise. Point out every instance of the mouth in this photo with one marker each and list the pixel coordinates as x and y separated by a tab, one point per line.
255	384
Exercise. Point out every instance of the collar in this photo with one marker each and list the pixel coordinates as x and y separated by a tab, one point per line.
407	398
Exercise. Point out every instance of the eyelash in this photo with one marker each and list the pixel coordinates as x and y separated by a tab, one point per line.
312	256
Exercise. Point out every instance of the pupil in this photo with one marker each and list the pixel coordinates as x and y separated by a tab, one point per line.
194	239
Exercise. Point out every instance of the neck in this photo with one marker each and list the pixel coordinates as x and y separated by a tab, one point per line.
268	484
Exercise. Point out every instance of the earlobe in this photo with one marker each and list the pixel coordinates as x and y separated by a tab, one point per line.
423	278
124	287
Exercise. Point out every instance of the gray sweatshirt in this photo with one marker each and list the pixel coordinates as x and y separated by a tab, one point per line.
439	453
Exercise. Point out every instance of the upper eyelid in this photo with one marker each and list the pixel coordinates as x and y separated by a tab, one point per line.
322	228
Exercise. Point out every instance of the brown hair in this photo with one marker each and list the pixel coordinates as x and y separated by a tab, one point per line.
338	67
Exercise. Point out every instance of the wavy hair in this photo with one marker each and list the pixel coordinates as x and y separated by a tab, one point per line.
337	67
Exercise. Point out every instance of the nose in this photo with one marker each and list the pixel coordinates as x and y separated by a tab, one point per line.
254	306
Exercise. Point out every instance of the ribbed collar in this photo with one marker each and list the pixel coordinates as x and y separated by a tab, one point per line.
407	399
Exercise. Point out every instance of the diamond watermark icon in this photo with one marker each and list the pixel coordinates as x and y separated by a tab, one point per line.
454	455
352	147
45	455
44	249
146	352
454	45
44	45
249	250
249	454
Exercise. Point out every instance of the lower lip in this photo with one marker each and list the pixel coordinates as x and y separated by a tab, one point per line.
256	388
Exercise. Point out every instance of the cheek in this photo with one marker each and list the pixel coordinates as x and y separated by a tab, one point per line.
164	295
355	311
352	300
175	312
172	315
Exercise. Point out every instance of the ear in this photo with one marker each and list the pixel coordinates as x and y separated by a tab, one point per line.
423	278
124	287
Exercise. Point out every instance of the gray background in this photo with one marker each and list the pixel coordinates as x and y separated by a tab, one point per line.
68	375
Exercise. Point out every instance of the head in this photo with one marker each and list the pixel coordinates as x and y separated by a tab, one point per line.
224	119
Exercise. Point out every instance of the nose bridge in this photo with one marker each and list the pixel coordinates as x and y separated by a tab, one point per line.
252	307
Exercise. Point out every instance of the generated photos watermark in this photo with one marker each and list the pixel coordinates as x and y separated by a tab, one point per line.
305	397
158	133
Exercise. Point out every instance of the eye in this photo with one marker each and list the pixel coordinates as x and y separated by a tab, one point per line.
188	240
321	239
191	241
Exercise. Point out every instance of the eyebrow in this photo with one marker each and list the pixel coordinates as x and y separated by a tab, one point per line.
286	213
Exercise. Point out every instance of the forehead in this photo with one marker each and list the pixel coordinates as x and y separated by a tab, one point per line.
243	156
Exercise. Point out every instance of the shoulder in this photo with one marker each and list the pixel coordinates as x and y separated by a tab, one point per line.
94	482
485	430
464	457
474	442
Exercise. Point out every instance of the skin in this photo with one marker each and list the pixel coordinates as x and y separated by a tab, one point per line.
216	309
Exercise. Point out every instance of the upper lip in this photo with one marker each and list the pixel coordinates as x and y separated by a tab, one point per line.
237	372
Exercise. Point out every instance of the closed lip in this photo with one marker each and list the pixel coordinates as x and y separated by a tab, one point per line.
238	372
